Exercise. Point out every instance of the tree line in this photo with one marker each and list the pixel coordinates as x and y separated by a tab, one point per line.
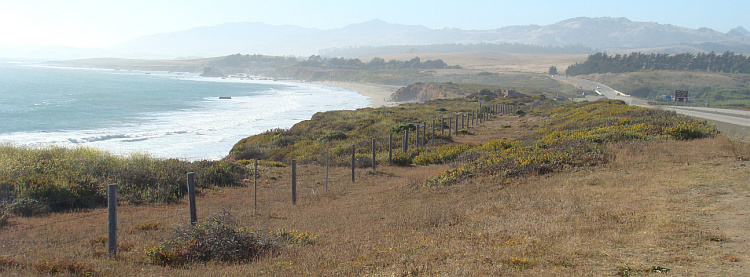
247	61
359	51
375	63
728	62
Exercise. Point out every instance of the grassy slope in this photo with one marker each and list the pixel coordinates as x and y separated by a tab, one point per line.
653	205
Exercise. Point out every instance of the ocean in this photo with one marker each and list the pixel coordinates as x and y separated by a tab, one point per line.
167	115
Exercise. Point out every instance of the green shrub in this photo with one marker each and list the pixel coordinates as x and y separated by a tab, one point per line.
402	127
331	136
405	159
61	179
25	206
218	238
691	130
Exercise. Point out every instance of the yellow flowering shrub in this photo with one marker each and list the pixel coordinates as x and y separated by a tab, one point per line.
574	136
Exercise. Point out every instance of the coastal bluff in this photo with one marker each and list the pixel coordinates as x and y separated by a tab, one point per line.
420	92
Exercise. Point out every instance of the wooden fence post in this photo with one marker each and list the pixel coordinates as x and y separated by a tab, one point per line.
390	148
450	125
432	140
457	124
328	150
191	198
294	181
442	125
373	155
255	188
353	152
416	137
406	140
112	220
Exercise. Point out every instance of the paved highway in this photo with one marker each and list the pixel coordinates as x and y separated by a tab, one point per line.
725	116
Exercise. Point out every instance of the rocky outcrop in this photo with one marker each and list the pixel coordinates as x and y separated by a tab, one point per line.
420	92
210	71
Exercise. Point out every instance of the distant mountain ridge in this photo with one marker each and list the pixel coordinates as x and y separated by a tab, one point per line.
600	34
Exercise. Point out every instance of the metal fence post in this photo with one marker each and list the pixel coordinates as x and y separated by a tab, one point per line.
353	157
255	188
112	220
294	181
191	197
373	155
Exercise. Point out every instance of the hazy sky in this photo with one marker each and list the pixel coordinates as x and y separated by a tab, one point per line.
91	23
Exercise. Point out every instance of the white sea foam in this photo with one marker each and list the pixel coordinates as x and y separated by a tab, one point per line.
207	131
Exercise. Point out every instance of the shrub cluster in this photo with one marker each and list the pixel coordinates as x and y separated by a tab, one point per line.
338	131
218	238
35	181
295	236
574	136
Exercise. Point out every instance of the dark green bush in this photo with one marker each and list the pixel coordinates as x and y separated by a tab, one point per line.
402	127
25	206
218	238
331	136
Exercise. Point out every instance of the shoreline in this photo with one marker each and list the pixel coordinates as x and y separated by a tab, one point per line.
214	125
378	95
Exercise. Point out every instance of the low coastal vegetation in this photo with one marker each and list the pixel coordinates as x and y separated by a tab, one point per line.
35	181
574	136
554	190
336	132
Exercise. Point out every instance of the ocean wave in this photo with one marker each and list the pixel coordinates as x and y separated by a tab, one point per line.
208	127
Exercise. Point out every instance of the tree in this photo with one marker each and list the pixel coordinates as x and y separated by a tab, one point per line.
552	70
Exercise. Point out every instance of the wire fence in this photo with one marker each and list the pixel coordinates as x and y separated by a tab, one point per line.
92	225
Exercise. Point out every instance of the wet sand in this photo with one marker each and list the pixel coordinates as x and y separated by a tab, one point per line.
379	95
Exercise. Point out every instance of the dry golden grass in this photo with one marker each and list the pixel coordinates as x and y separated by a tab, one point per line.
497	62
672	204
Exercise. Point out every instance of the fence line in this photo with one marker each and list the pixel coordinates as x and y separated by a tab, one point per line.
470	119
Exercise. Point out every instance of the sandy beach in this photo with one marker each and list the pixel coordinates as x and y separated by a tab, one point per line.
379	95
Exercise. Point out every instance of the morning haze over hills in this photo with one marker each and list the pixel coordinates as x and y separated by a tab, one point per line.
582	35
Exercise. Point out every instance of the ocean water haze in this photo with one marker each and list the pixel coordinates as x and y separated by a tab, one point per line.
169	115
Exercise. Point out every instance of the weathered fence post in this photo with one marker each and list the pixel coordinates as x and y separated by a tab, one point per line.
406	140
432	140
112	219
353	157
457	116
390	148
450	126
255	188
328	150
294	181
442	125
373	155
416	137
191	197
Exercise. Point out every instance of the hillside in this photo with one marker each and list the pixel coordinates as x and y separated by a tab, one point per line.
613	34
632	200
